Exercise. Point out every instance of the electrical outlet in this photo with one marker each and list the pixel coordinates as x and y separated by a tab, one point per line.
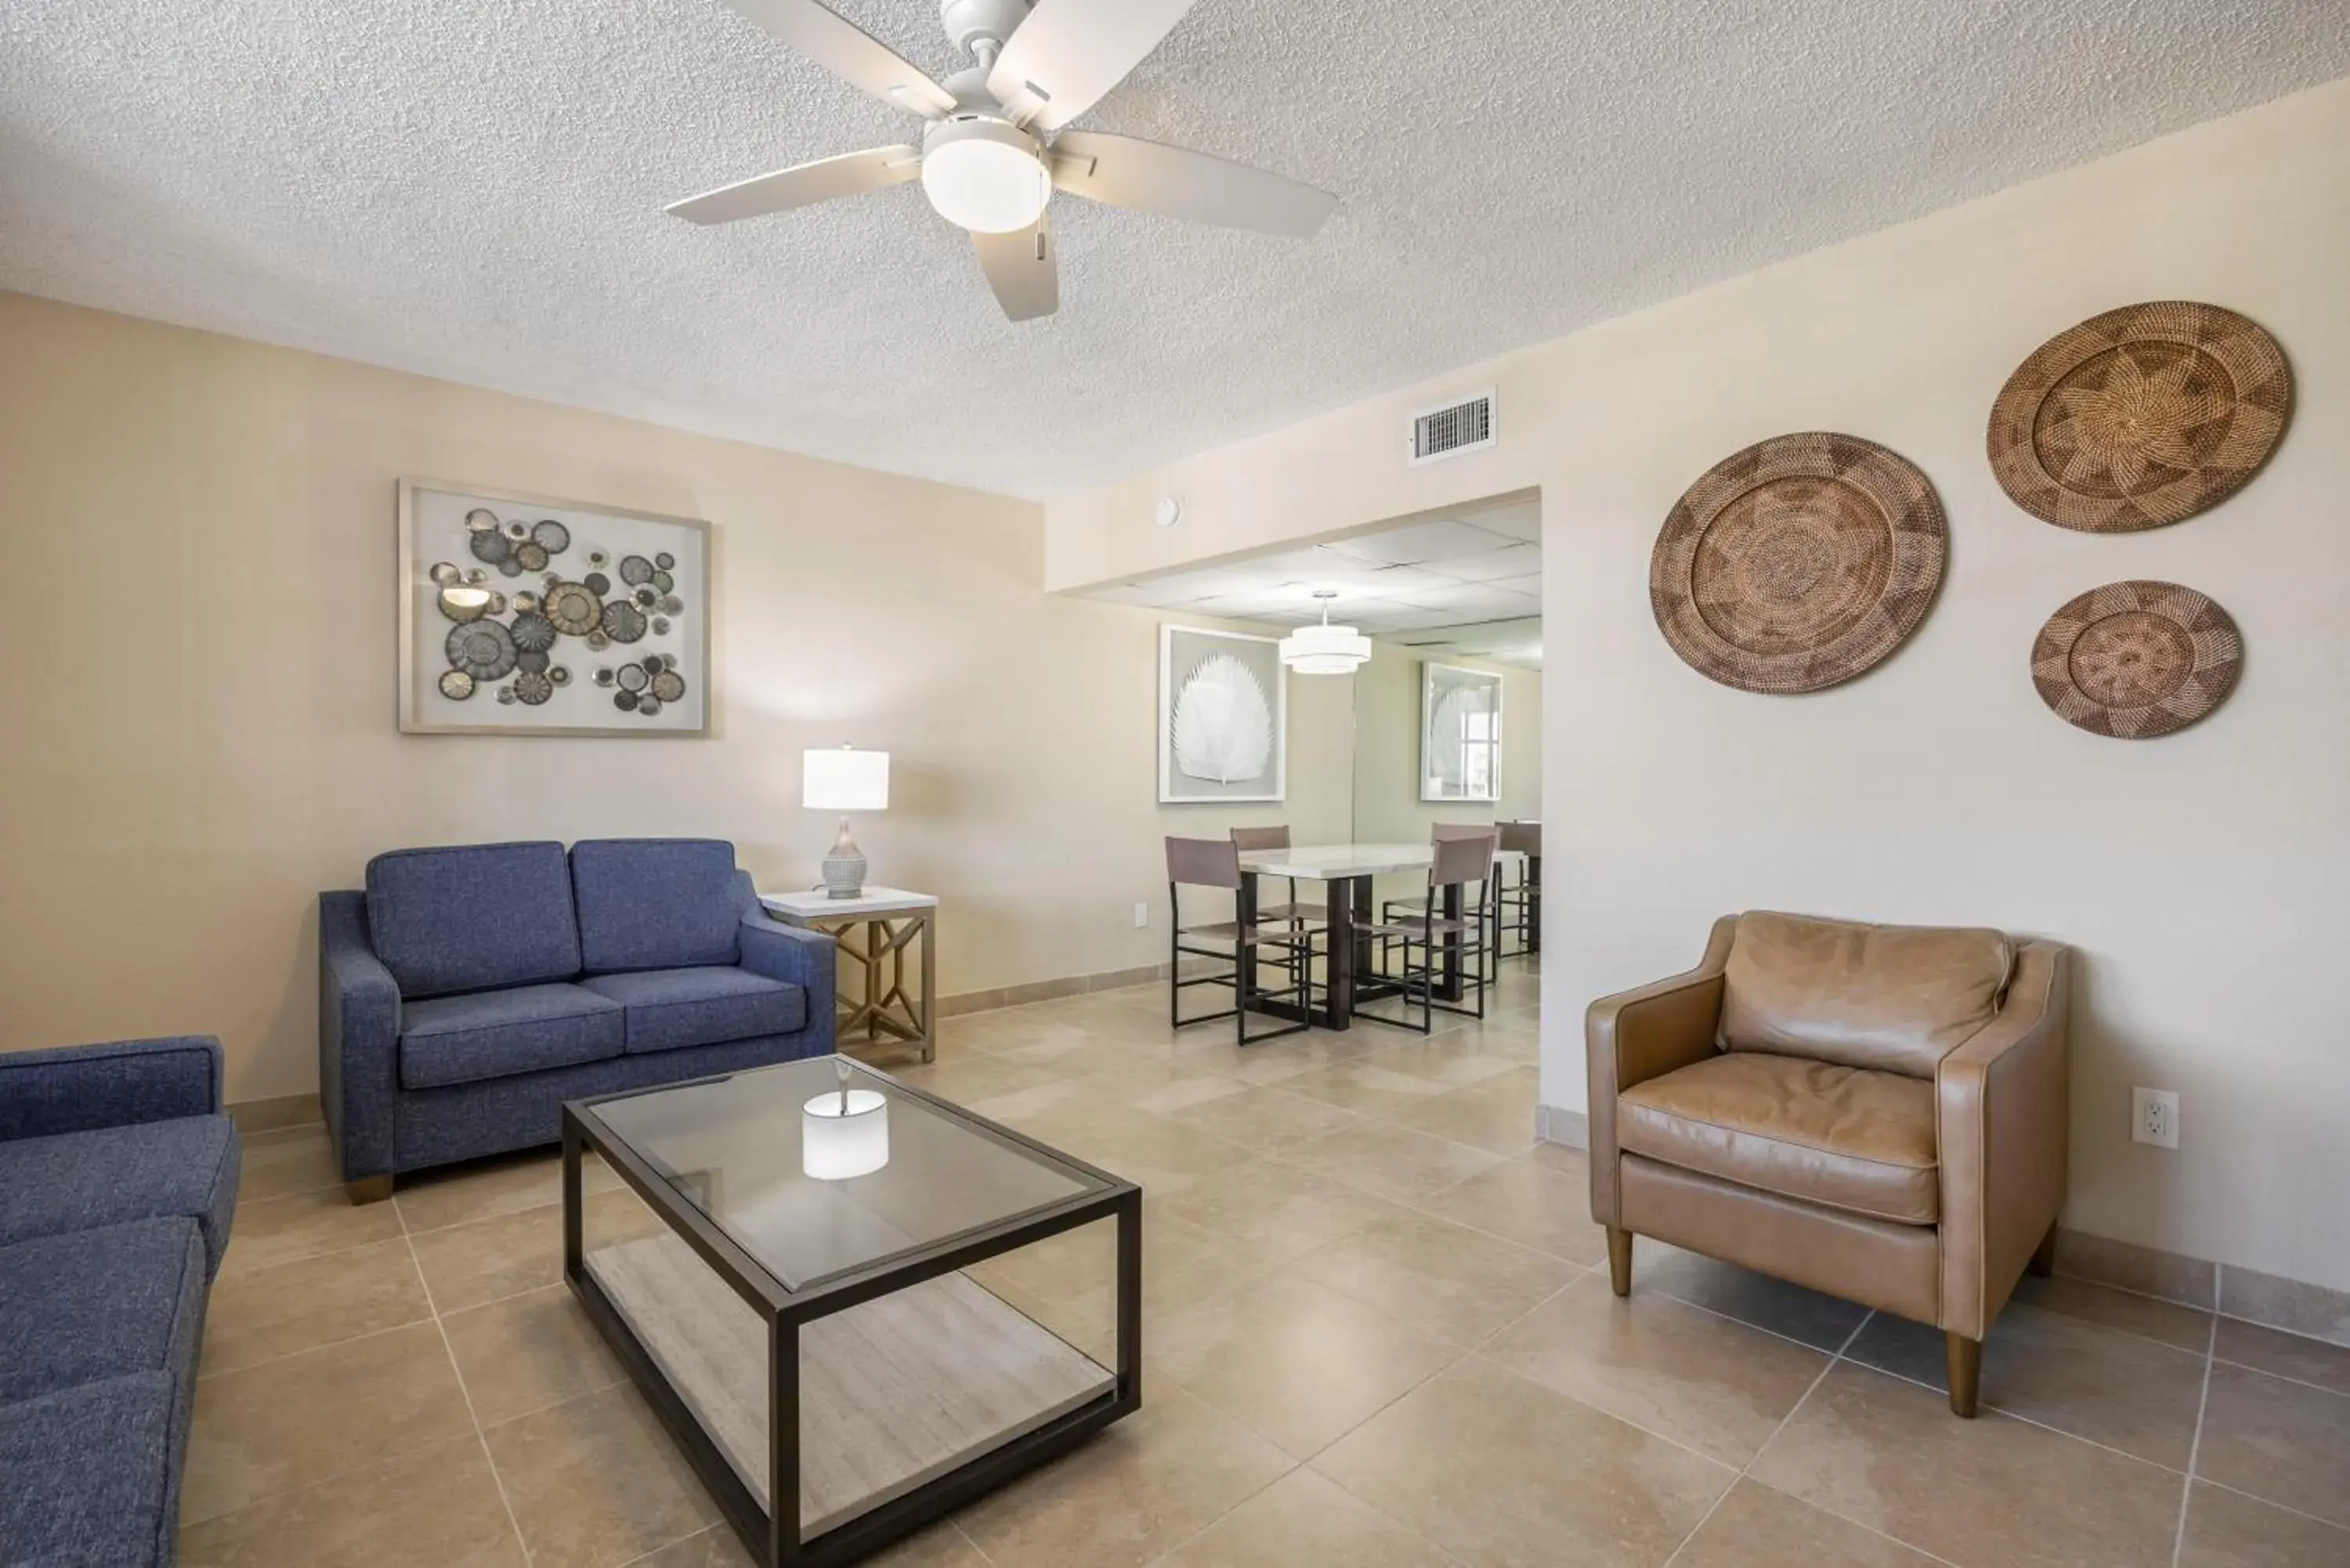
1141	916
2154	1117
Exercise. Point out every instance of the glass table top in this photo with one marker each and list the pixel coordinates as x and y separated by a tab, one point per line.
734	1149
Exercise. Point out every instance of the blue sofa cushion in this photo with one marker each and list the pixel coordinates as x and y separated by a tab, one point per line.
670	1008
90	1473
482	915
654	903
496	1033
79	1180
93	1305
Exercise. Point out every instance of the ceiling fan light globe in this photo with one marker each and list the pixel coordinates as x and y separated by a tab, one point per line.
1325	650
984	175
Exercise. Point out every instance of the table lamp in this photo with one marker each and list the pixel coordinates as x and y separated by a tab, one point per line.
845	780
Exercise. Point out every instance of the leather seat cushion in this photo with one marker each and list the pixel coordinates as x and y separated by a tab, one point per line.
1895	997
1846	1137
670	1009
497	1033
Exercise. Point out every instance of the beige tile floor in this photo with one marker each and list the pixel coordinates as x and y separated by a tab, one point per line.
1378	1334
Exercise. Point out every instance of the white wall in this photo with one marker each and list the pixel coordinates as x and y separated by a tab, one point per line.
2204	878
1387	807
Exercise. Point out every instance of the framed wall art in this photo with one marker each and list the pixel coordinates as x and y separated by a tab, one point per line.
1460	733
521	614
1223	717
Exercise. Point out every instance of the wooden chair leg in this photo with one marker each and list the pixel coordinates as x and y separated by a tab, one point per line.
2044	1259
1962	1359
1619	1260
370	1189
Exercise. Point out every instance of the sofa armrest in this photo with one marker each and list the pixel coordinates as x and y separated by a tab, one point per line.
2001	1113
74	1088
1636	1035
359	1039
796	956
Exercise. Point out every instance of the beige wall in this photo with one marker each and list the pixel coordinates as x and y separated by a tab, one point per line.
2204	878
197	535
1387	807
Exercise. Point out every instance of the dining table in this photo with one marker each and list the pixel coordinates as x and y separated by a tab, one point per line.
1345	872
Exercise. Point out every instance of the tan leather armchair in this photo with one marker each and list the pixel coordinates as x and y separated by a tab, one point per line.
1877	1112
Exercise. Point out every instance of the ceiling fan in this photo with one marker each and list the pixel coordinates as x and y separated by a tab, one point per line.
997	146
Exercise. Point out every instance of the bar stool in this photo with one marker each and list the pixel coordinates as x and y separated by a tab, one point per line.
1519	909
1462	862
1216	863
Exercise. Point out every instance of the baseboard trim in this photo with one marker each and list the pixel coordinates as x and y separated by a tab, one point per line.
1020	995
2271	1301
273	1115
1556	1124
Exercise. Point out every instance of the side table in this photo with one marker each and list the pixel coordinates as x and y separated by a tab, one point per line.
892	920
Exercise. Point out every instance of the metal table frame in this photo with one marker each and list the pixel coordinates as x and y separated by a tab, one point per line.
772	1537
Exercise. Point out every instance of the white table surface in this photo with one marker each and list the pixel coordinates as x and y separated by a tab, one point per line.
818	905
1336	862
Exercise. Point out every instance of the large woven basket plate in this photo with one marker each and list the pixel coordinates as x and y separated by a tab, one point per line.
1798	563
2136	659
2140	417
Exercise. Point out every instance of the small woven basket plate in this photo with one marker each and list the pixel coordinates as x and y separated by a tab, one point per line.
2142	416
2136	659
1798	563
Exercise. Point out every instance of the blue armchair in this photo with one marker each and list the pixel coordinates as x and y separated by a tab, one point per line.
469	992
118	1185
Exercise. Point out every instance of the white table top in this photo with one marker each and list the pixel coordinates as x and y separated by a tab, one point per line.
1336	862
818	905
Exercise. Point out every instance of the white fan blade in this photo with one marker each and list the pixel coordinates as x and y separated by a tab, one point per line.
850	174
1126	172
1019	267
846	50
1058	63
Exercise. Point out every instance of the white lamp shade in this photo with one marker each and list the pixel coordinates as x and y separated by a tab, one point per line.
845	780
1325	650
843	1136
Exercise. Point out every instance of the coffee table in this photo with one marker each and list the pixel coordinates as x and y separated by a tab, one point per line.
816	1339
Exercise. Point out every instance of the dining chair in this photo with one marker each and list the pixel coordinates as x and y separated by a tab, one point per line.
1250	947
1248	840
1417	903
1461	862
1518	908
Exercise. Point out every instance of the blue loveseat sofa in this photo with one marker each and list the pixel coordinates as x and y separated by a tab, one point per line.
469	992
118	1180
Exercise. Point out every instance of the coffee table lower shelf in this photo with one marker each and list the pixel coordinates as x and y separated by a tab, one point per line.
893	1393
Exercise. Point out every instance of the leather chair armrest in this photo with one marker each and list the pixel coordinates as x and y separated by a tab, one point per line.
1636	1035
2001	1111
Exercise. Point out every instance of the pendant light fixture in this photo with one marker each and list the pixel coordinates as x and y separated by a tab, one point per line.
1325	650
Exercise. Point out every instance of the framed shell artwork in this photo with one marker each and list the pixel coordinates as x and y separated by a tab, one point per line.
537	660
1222	717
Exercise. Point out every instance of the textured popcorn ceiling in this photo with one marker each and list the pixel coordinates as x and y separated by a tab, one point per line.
473	189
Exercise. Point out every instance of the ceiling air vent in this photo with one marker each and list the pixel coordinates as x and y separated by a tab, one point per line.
1451	430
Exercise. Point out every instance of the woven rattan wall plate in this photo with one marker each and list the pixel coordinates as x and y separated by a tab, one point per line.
1798	563
2136	659
2142	416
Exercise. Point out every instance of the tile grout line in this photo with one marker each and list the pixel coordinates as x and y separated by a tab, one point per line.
2195	1445
2004	1413
481	1436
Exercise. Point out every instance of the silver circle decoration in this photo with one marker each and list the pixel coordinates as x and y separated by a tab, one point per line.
477	576
506	694
525	603
532	633
663	583
660	625
673	605
669	686
444	574
574	609
560	674
530	556
625	701
510	567
533	686
623	622
456	685
461	610
517	529
598	640
551	536
632	677
665	561
482	649
497	605
491	547
599	558
603	675
648	705
531	661
645	599
480	520
636	571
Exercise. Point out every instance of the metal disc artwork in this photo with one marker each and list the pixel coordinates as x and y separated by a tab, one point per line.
646	599
664	582
625	701
669	686
635	569
480	520
491	547
1798	563
526	602
531	555
510	567
458	608
456	685
444	574
517	529
497	605
560	674
2136	659
632	677
597	584
660	625
551	536
554	581
653	661
534	632
574	609
505	694
623	622
482	649
665	561
533	686
603	675
477	576
673	605
598	558
598	640
2140	417
647	706
532	660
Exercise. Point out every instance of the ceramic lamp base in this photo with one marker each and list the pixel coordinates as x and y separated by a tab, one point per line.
843	865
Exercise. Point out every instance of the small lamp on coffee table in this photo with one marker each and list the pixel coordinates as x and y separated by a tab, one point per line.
845	780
